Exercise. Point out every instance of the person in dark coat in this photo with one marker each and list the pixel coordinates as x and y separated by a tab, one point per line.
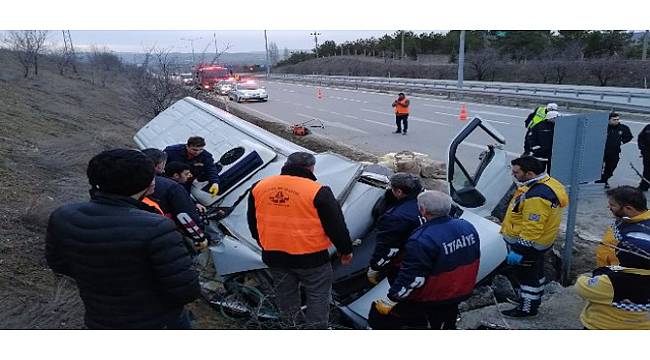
438	271
175	201
540	139
643	142
617	135
395	226
130	264
200	161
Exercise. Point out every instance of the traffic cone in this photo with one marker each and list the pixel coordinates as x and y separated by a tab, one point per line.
463	113
319	94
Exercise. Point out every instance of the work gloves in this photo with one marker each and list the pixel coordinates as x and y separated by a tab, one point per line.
513	258
384	305
373	276
212	188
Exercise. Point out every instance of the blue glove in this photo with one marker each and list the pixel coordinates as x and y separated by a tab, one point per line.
513	258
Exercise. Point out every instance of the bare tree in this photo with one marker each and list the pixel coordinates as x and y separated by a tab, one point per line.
58	54
103	63
605	69
483	63
28	46
274	53
285	54
217	53
154	84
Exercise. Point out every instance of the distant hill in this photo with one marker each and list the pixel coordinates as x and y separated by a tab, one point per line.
185	59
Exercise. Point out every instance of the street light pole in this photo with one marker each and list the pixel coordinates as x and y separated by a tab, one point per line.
461	58
191	40
315	34
268	64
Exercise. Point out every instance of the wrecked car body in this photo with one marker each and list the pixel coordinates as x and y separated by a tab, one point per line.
247	154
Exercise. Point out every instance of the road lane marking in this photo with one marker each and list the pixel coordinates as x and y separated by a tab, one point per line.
351	116
379	123
333	123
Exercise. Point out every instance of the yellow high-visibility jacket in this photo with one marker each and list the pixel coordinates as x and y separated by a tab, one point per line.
534	213
606	251
617	299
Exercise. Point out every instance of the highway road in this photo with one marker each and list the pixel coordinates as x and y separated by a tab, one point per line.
365	119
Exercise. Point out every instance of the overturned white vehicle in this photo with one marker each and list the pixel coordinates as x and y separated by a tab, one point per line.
248	153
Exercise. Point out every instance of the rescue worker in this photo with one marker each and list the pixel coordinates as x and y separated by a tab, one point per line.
176	203
439	271
401	105
540	140
395	226
617	135
529	228
295	219
628	205
178	171
534	118
643	142
200	161
130	264
618	297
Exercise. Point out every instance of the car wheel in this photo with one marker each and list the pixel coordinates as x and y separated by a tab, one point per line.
238	99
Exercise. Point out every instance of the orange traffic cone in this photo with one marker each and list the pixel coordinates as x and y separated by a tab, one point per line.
463	113
319	94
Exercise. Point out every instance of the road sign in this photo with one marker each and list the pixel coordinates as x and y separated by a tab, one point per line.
578	148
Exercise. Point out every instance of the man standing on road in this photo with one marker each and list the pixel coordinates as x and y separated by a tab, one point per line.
295	220
535	118
439	271
395	226
130	264
200	161
540	140
617	135
629	206
643	142
618	297
529	228
401	106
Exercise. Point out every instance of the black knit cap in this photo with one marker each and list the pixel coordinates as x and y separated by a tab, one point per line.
120	171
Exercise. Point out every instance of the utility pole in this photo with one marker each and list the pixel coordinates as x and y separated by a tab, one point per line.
402	56
68	50
192	40
644	54
268	63
315	35
461	58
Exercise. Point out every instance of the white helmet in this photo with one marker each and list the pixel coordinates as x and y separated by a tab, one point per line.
551	107
552	115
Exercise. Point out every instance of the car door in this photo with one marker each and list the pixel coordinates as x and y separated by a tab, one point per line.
478	170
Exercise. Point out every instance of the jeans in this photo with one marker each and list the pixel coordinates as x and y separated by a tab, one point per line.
317	285
399	119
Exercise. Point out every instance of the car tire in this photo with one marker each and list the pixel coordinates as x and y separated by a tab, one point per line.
238	100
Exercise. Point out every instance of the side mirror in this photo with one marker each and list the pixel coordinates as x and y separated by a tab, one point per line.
468	197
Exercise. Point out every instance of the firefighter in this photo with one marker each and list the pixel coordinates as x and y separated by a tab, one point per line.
618	297
395	226
200	160
529	228
643	142
540	140
617	135
401	105
295	219
439	271
629	207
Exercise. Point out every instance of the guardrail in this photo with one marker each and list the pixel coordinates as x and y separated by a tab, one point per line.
623	99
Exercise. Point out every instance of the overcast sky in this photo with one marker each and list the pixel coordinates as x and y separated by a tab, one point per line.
240	40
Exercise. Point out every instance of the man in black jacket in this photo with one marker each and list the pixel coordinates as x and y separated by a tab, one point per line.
540	139
295	220
643	142
200	161
617	135
395	226
130	264
176	203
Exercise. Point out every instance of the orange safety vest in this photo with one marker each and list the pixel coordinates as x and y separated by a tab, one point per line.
287	219
401	107
152	203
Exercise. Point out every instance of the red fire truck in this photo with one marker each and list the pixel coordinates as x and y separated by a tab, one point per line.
206	76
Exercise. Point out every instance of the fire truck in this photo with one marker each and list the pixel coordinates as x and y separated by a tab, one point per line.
206	76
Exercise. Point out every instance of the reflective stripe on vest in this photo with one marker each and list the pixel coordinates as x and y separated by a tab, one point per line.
401	107
287	219
540	115
153	204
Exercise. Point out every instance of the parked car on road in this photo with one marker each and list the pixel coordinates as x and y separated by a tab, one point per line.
223	87
247	154
248	91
